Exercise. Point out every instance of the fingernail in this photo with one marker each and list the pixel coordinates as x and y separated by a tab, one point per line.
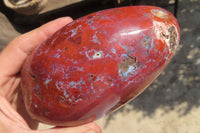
94	128
91	131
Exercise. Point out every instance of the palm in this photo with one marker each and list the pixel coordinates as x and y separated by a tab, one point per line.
12	59
12	106
17	102
13	115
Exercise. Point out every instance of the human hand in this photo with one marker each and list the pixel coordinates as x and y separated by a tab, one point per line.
13	115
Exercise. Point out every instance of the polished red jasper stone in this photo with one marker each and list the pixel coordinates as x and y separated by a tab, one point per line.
97	63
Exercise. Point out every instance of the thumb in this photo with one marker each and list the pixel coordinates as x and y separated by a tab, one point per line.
87	128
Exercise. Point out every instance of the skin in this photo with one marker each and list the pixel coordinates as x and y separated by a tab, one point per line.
13	115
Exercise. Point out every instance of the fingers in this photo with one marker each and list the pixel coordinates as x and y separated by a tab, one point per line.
9	116
13	56
87	128
11	120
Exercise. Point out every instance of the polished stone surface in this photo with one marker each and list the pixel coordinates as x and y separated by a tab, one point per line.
97	63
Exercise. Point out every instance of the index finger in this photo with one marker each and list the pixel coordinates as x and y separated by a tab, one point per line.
14	55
